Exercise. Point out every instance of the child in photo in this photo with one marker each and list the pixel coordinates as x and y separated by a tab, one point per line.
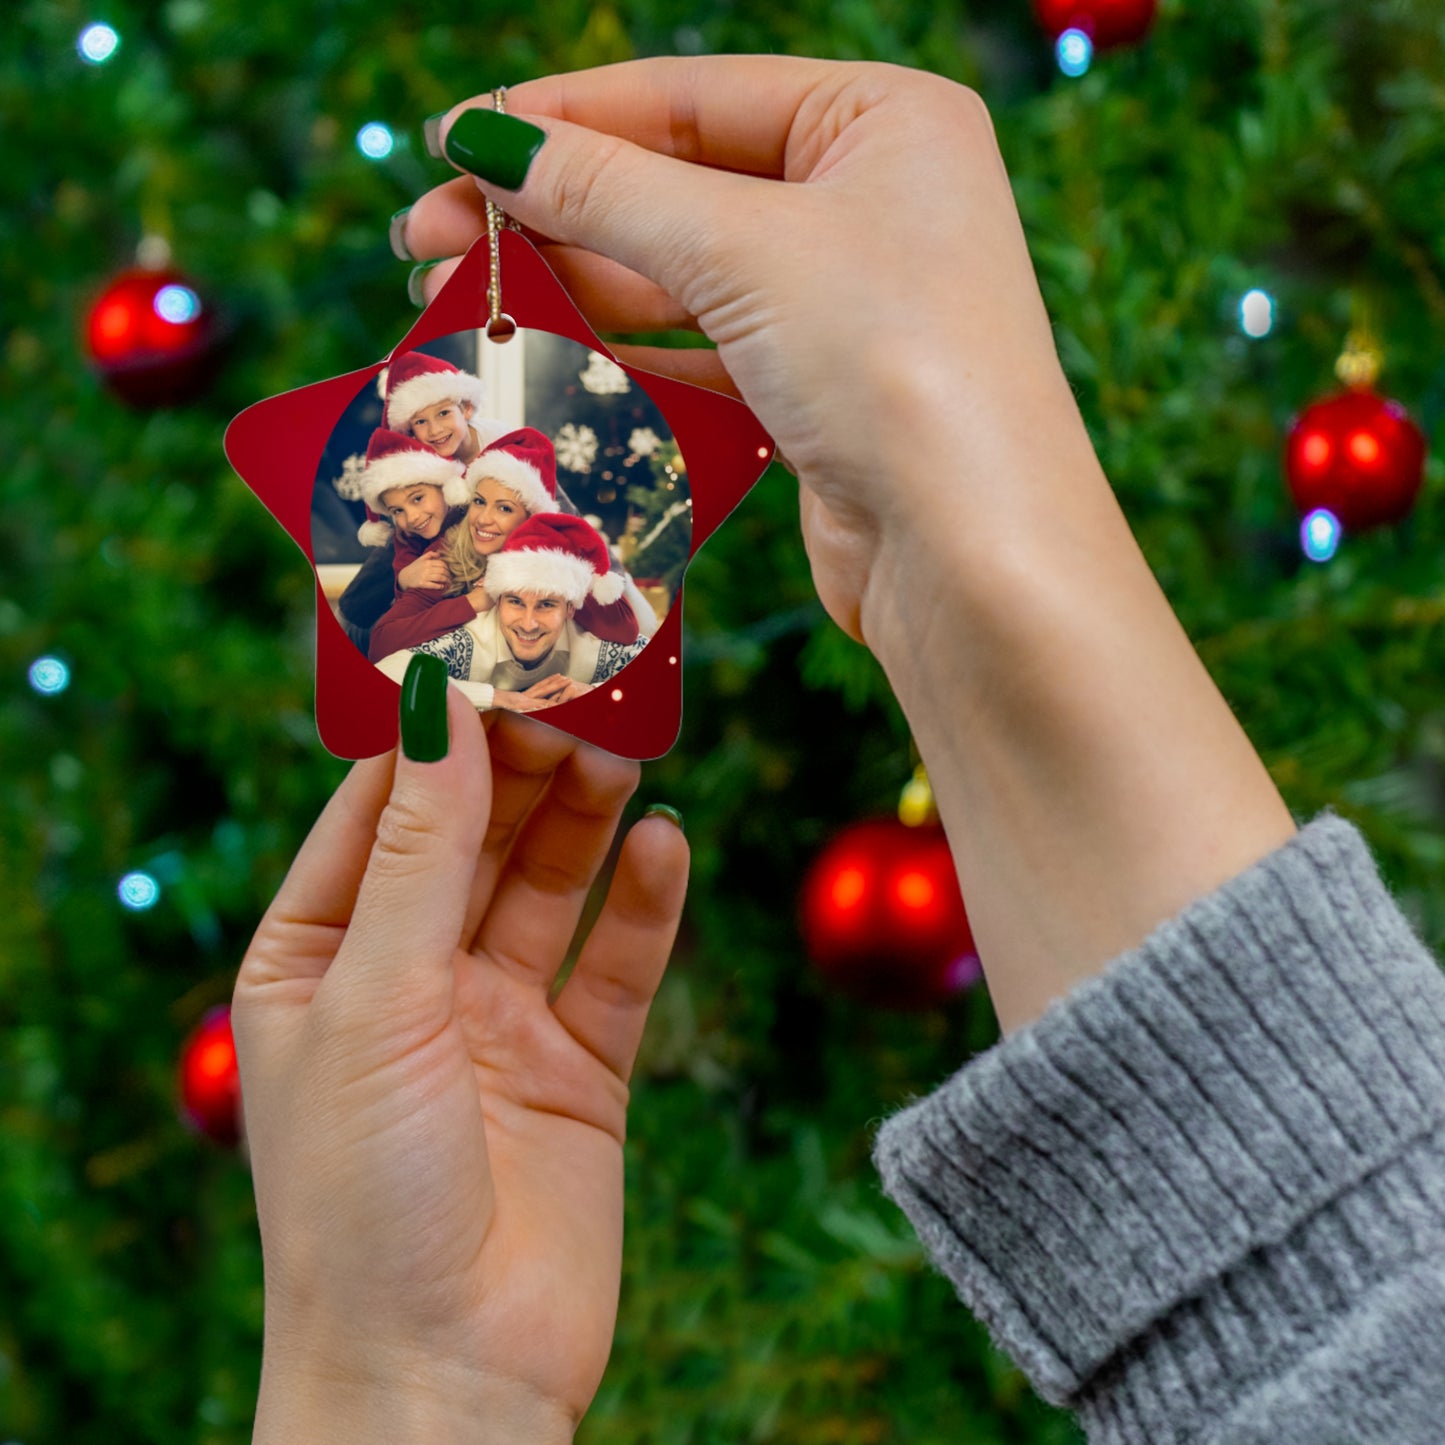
435	404
412	495
438	404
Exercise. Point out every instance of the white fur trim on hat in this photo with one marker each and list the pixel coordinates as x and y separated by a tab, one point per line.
427	389
608	587
375	534
407	469
511	471
546	571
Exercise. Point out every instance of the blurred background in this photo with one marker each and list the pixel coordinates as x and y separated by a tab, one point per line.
1224	199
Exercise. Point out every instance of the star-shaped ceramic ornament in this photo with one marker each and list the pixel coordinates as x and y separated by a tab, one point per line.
669	454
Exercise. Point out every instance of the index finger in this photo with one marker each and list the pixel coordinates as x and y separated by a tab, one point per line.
732	112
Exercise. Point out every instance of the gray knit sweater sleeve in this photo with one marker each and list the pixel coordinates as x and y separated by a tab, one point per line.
1202	1200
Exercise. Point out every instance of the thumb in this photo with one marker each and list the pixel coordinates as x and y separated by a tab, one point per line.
666	219
396	959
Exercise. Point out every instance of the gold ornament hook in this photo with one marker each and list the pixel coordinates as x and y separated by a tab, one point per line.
500	326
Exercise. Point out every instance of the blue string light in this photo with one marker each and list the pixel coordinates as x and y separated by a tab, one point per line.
375	141
177	304
1074	52
138	891
97	44
49	675
1319	535
1256	313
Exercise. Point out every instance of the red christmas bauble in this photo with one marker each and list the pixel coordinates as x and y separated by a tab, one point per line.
883	918
1107	23
210	1083
152	338
1359	456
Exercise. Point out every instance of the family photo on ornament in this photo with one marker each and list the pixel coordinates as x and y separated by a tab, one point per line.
439	527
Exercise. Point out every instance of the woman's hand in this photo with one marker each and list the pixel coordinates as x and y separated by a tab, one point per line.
876	310
479	597
437	1144
847	235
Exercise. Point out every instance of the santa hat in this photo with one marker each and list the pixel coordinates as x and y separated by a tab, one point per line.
415	380
394	460
524	461
557	555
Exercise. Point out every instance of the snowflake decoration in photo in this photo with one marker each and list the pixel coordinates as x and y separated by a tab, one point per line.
348	484
576	447
276	447
603	377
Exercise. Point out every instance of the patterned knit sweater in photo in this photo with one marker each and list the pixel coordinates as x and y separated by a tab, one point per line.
1202	1200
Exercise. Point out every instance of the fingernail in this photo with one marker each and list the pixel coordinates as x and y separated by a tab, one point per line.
431	133
662	811
396	234
424	709
414	291
498	148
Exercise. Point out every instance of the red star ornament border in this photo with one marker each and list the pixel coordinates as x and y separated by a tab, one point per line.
276	447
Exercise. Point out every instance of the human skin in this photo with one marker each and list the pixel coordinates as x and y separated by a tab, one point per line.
532	622
494	512
445	426
436	1141
420	510
429	570
1091	779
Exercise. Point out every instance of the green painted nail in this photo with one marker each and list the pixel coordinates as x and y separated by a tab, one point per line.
396	234
415	294
663	811
424	709
498	148
431	133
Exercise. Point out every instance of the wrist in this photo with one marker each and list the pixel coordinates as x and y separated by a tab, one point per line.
399	1400
1092	779
979	521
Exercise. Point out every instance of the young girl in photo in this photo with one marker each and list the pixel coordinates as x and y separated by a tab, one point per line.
412	495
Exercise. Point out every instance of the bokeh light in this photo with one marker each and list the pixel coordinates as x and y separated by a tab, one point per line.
138	891
49	675
1256	313
375	141
97	44
1319	535
1075	52
177	304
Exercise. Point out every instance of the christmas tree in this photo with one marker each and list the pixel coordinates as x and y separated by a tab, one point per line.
156	630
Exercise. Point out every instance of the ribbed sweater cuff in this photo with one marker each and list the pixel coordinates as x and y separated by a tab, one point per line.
1181	1158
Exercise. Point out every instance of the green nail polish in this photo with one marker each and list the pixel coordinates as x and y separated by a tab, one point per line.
396	234
424	709
671	814
498	148
431	133
415	294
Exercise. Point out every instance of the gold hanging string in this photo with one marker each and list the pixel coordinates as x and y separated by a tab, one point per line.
500	326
